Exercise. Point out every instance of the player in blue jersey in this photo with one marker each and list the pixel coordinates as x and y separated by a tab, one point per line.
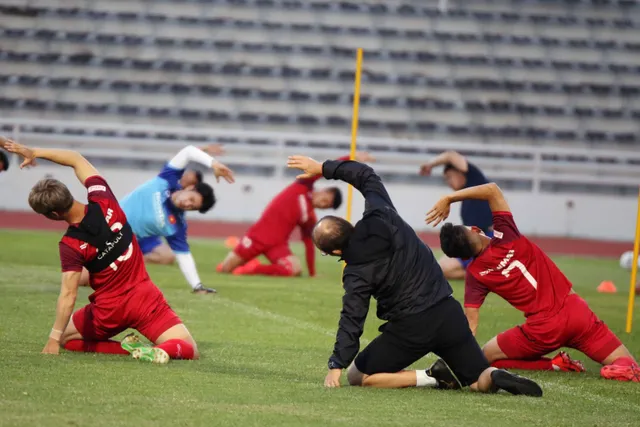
155	210
460	173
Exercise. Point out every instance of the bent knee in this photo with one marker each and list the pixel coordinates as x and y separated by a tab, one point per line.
355	377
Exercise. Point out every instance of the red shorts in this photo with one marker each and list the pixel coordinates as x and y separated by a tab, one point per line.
248	248
142	308
574	326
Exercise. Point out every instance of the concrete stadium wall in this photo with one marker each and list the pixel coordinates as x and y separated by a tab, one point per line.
579	215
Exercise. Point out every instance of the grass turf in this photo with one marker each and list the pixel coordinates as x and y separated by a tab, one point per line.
264	345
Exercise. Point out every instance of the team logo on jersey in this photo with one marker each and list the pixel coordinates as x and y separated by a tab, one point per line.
172	219
97	188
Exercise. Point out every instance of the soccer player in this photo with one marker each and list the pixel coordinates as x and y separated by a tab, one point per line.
269	236
4	162
100	239
459	173
386	260
512	266
156	209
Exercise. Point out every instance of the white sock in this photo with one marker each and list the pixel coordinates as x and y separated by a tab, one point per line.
424	380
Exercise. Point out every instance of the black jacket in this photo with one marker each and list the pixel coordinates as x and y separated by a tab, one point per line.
385	259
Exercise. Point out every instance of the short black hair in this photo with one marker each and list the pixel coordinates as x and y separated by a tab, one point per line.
208	197
332	233
454	241
5	161
337	197
198	176
448	167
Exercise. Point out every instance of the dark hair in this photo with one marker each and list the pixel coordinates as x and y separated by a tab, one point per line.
454	241
5	161
198	176
208	197
337	197
449	166
332	233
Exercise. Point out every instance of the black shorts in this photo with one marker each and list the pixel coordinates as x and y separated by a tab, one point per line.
442	329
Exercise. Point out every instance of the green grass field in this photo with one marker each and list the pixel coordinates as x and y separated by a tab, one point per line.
264	345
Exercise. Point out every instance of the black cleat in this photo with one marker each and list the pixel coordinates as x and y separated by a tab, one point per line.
440	371
202	290
515	384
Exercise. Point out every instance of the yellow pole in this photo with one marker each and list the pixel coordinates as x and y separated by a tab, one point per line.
354	125
634	271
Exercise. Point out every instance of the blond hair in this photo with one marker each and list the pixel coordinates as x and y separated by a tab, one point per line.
49	196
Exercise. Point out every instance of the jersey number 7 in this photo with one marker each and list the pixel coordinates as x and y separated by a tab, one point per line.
520	266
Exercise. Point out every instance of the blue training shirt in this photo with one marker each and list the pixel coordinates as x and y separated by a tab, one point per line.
476	212
151	213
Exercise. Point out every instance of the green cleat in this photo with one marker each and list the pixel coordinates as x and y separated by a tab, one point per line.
151	354
132	342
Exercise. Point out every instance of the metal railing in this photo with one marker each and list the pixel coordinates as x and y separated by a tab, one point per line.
537	164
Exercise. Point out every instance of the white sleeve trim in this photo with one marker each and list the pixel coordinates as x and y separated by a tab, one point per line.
191	154
188	267
304	213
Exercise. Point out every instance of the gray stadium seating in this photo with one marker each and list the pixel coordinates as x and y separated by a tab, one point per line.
513	70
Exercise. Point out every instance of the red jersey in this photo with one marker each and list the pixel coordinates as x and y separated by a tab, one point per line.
121	275
517	270
290	208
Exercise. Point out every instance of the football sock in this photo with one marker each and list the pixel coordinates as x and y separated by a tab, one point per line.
105	347
424	380
542	364
624	361
272	270
178	349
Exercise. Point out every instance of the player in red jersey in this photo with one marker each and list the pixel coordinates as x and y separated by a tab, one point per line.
100	239
512	266
269	236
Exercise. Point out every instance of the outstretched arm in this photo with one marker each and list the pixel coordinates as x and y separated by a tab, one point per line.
489	192
64	308
453	158
309	249
360	156
80	165
192	154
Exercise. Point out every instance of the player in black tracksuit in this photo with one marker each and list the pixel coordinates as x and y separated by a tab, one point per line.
386	260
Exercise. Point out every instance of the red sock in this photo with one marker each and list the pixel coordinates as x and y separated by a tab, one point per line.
542	364
272	270
624	361
178	349
105	347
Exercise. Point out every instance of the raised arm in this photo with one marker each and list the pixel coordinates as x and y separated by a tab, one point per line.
453	158
80	165
489	192
200	155
361	176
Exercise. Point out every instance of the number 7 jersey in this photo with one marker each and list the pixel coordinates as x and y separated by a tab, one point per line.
517	270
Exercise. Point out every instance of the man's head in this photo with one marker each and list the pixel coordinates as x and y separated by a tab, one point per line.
331	234
199	197
327	198
190	178
51	198
454	178
459	241
4	161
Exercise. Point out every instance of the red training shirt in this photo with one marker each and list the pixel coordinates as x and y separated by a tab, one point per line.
517	270
123	274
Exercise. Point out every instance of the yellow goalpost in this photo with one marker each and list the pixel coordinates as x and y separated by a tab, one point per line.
634	271
354	126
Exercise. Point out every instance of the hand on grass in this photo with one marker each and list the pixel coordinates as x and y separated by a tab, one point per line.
332	379
52	347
